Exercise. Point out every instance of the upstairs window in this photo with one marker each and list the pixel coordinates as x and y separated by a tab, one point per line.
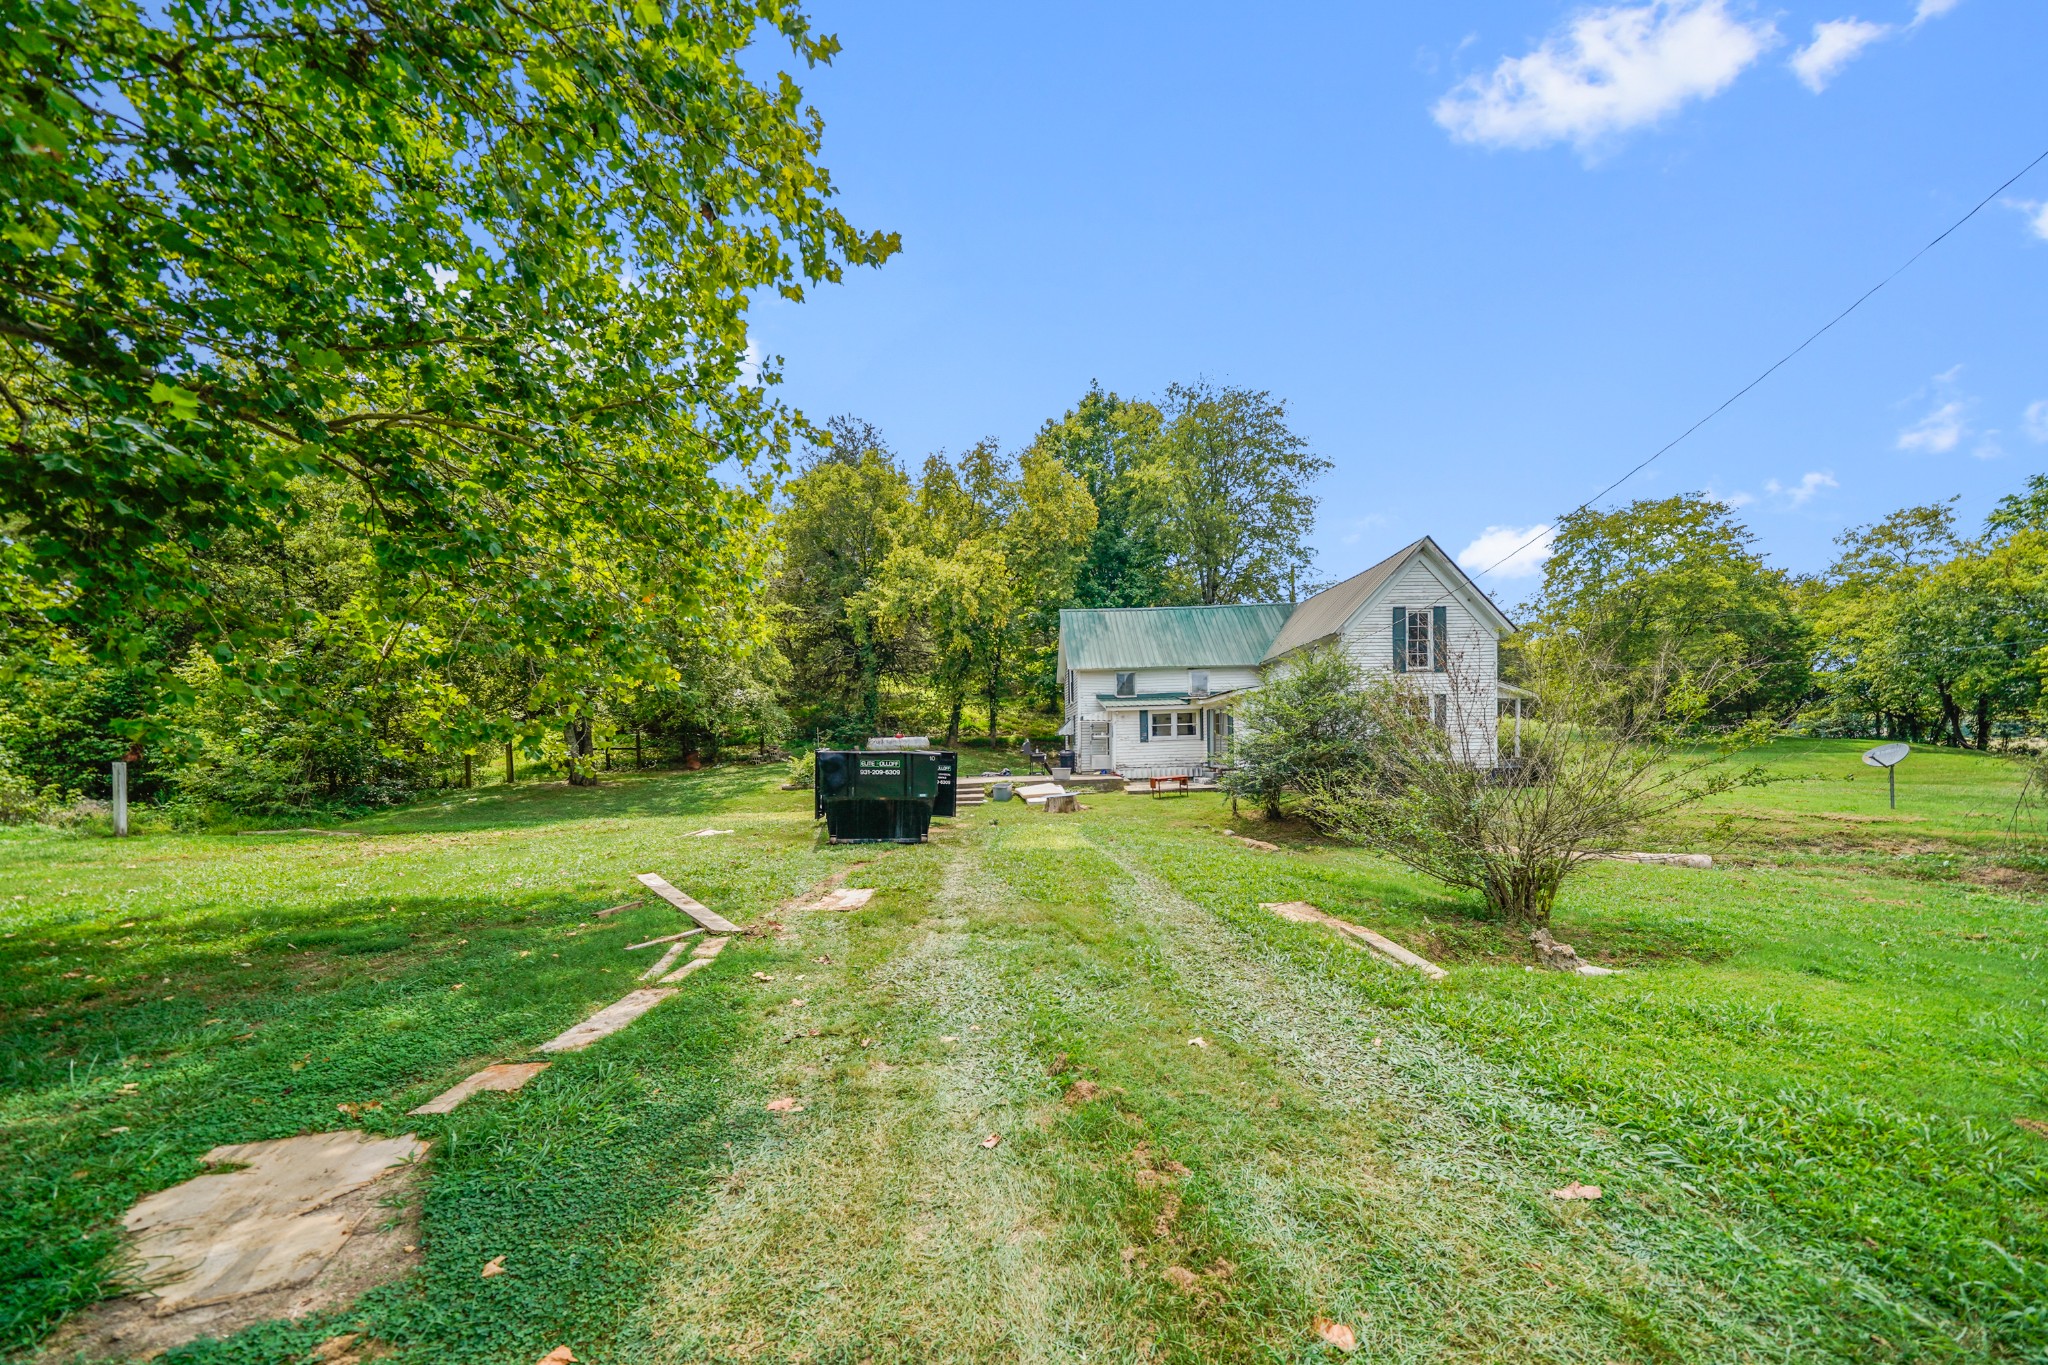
1127	684
1421	656
1198	680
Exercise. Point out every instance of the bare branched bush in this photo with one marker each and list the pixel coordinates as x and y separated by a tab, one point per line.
1593	775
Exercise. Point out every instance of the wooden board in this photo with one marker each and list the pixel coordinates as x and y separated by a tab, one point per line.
1301	912
664	962
710	919
505	1076
665	938
605	1022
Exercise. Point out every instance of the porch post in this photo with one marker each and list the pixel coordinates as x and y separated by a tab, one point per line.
1518	727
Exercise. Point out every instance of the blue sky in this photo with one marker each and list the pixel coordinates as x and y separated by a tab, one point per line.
1490	254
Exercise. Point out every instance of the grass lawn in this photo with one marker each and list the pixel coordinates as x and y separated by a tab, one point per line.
1797	1096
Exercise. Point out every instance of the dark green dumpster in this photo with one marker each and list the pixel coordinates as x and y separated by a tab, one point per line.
866	797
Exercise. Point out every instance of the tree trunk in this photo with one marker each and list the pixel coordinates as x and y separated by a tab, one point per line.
953	721
469	770
1951	718
1983	721
576	740
508	763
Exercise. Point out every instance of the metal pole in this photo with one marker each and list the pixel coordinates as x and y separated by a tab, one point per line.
120	798
1891	780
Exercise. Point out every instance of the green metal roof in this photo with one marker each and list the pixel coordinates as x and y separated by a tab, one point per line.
1111	698
1171	637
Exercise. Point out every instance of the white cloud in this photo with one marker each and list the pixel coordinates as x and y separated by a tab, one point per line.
1608	70
2036	212
2036	420
1801	493
1988	446
1933	9
1939	432
750	363
1508	551
1732	500
1835	44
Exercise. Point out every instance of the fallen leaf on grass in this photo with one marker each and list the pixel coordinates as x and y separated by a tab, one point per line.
1198	1042
334	1348
494	1266
785	1105
1181	1278
798	1003
867	1042
561	1355
948	1038
992	1139
1576	1191
456	987
826	959
2037	1127
1337	1334
762	976
353	1109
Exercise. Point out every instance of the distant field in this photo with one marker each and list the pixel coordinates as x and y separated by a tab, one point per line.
1798	1095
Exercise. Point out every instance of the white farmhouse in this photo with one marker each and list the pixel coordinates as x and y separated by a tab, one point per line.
1153	689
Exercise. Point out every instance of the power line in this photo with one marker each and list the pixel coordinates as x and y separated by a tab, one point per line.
1776	365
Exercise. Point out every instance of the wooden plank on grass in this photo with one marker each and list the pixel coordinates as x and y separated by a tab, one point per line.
1301	912
615	909
505	1076
665	938
682	901
606	1021
664	962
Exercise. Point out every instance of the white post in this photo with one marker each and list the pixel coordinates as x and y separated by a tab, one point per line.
121	798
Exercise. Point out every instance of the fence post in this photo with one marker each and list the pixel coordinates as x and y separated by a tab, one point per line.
120	798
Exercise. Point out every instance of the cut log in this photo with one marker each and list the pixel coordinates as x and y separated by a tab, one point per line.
1301	912
710	919
606	1021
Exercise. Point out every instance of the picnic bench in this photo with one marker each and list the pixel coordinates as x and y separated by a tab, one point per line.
1170	783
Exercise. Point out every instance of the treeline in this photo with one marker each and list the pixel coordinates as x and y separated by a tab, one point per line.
1917	630
912	600
857	595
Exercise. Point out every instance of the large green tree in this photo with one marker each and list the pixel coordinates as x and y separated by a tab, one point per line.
1228	488
1106	440
1672	588
839	522
473	282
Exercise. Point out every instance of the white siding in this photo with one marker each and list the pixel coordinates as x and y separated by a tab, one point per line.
1472	676
1089	684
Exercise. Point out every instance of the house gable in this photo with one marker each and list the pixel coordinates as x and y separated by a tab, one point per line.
1336	611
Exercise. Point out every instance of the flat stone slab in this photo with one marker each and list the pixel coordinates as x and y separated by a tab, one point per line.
268	1225
505	1076
847	898
606	1021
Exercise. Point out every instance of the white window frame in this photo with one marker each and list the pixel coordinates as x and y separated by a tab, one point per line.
1127	684
1198	680
1173	725
1426	662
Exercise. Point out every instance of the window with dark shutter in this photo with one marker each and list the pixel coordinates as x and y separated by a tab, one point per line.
1438	629
1421	658
1400	639
1144	726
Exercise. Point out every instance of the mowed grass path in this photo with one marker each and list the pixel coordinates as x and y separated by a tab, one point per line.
1797	1097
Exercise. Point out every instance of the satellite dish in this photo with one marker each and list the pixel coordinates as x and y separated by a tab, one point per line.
1887	755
